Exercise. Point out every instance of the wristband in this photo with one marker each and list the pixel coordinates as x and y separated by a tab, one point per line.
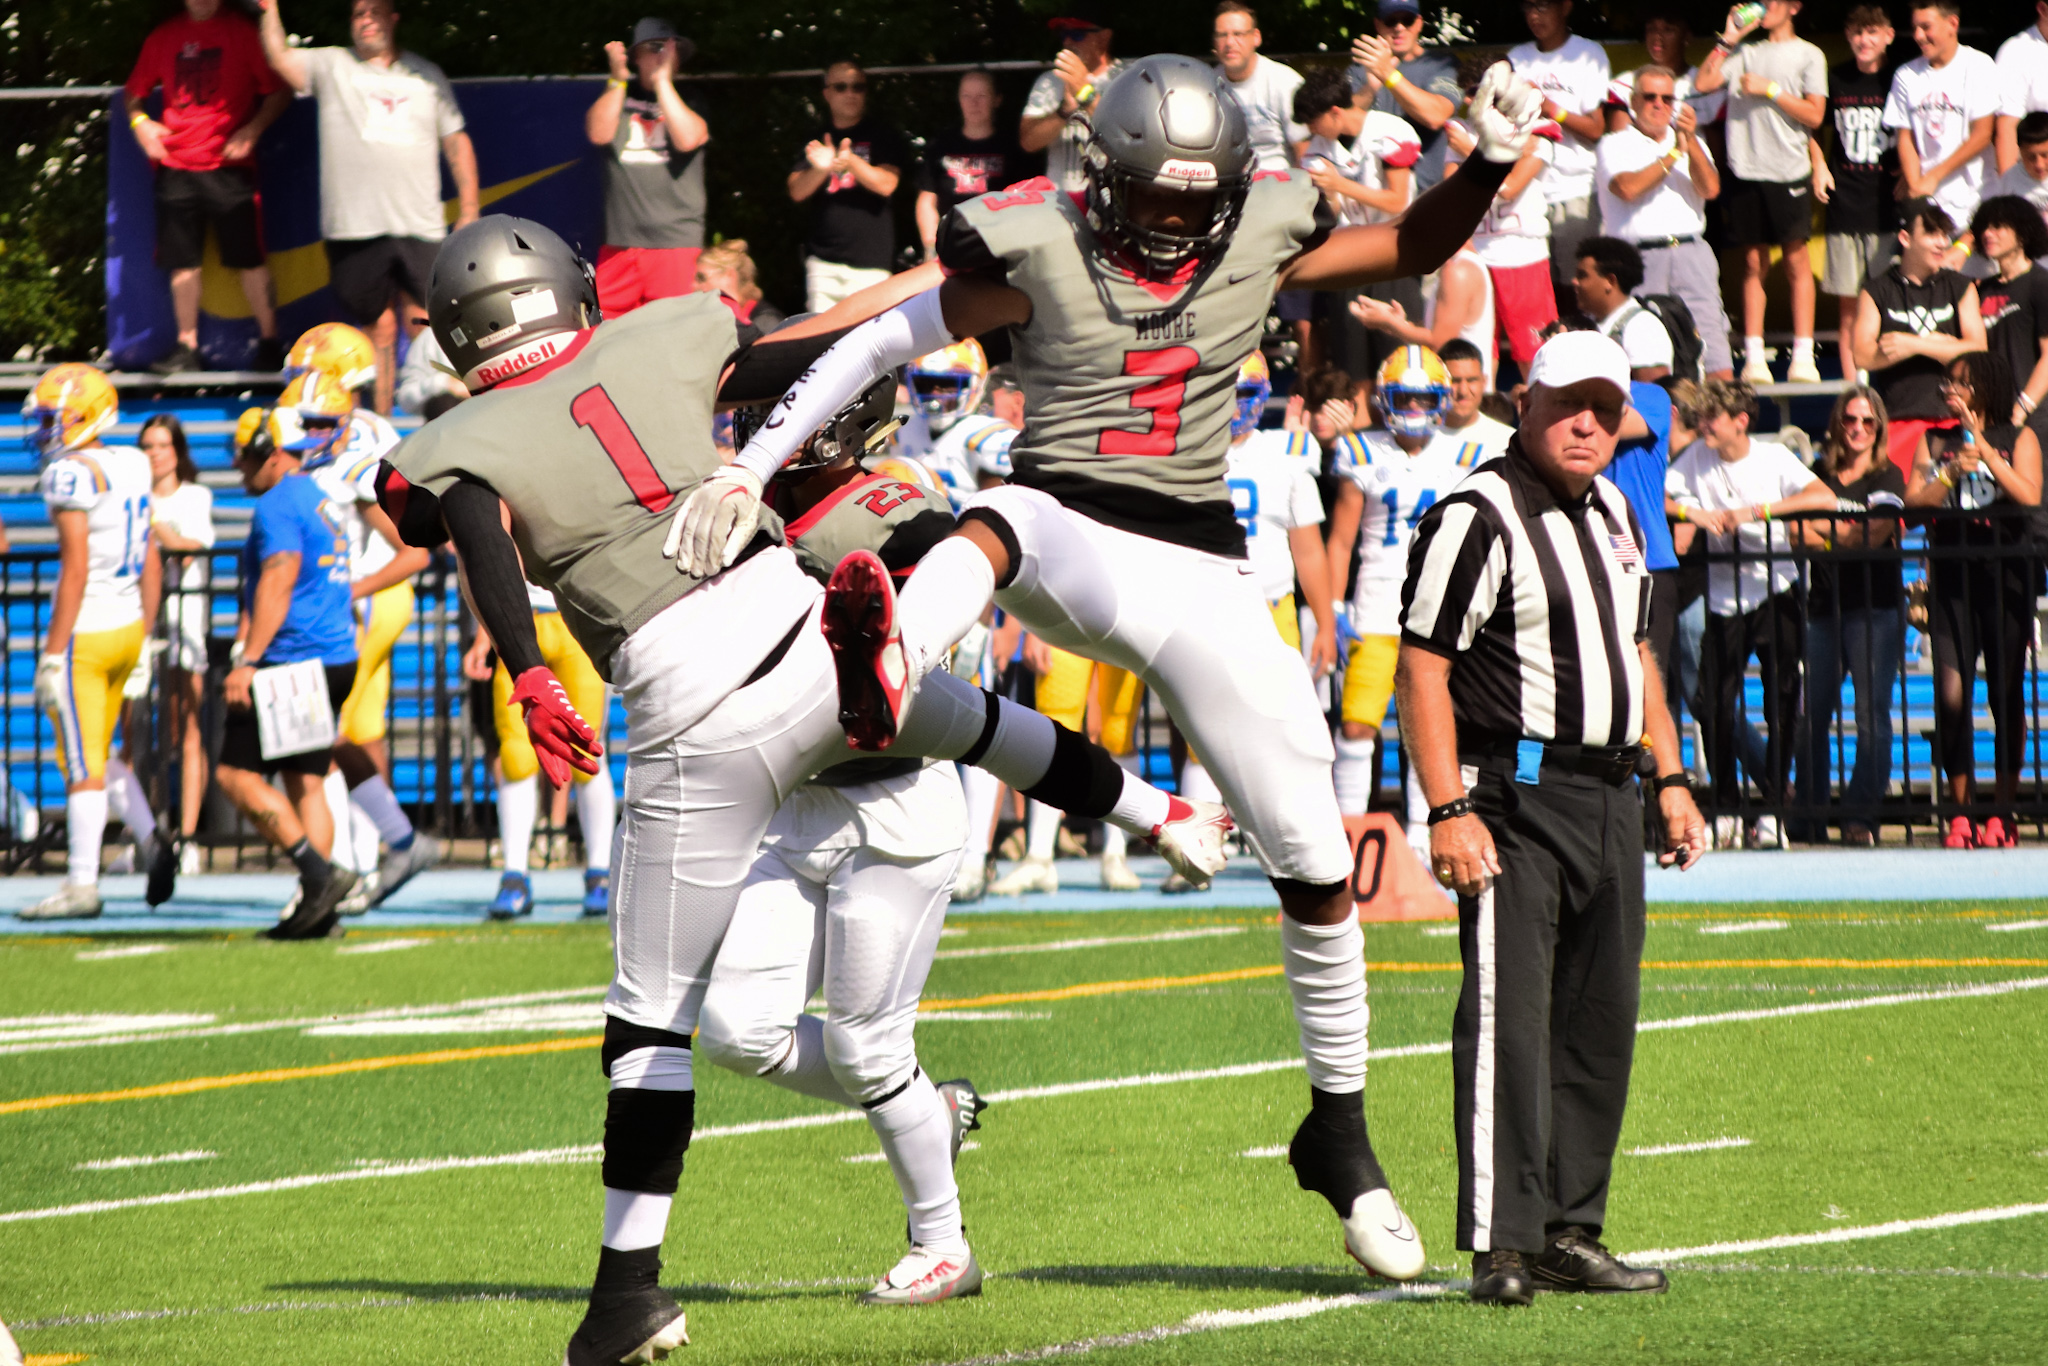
1764	510
1394	78
137	120
1084	94
1451	810
2026	401
1666	781
1771	91
614	83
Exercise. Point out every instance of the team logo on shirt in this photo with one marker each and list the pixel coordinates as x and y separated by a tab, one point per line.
1922	321
971	174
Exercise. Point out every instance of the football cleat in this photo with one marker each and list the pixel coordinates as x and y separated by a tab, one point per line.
1176	885
1191	839
68	902
965	1105
859	622
514	899
1380	1237
401	866
972	883
597	893
1117	875
315	915
1030	875
358	900
161	864
926	1278
627	1329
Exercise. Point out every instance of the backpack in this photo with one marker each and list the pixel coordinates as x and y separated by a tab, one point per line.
1687	350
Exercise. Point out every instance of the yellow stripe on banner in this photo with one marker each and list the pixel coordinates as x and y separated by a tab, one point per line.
332	1069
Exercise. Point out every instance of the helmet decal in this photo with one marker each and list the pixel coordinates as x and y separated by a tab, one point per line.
334	349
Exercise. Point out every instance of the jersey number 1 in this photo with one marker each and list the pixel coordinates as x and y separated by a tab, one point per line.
1168	371
594	409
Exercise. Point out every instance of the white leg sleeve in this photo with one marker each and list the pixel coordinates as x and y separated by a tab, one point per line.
85	821
595	812
943	601
1352	775
916	1136
1326	976
518	808
126	801
1043	826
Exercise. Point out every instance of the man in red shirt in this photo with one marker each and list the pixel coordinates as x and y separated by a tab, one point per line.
219	96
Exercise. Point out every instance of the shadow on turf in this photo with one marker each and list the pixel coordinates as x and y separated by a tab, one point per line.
1319	1280
457	1291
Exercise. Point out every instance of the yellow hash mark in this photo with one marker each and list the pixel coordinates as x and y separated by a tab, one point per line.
331	1069
1004	998
55	1358
1854	963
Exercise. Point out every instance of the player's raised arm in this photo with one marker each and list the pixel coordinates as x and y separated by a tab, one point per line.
1504	112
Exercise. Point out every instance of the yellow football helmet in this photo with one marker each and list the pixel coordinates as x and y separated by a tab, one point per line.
334	349
1254	389
311	414
254	439
947	384
69	408
1412	391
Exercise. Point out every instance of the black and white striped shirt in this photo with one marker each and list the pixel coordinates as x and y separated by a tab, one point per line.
1539	604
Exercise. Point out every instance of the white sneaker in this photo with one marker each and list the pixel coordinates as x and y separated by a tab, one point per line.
1380	1238
188	860
926	1278
68	902
972	883
1727	832
1117	875
1756	370
1802	372
1765	834
1191	840
1030	875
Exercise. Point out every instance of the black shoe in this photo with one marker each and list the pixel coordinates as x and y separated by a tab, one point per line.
181	358
1578	1263
318	914
1501	1278
163	871
637	1325
269	354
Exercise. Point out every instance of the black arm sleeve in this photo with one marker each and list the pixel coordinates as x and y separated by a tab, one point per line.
497	588
763	371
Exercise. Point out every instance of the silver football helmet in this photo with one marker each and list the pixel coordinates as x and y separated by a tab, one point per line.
506	294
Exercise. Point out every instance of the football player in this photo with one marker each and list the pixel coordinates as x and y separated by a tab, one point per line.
580	437
1393	474
108	580
969	450
1132	305
381	569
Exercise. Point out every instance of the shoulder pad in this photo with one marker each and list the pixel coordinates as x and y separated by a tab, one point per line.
961	250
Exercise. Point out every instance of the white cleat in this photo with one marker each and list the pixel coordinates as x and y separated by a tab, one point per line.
1191	840
1380	1238
1031	875
68	902
1117	875
972	883
926	1278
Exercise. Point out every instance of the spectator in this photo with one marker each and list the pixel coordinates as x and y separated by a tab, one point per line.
1777	97
1466	367
2023	61
1572	73
1609	270
2027	178
181	521
848	171
1980	584
1513	241
1396	75
1910	322
426	380
1081	71
1855	626
2014	302
654	178
1642	460
1858	179
1263	88
295	609
1654	180
975	160
384	113
1667	33
725	268
1942	105
1733	486
219	96
1460	308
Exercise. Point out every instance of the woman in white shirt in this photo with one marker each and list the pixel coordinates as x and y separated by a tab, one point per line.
181	516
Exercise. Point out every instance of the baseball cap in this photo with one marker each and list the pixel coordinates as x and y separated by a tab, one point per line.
1079	15
652	30
1399	9
1572	357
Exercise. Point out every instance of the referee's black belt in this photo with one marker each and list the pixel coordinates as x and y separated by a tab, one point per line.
1649	243
1612	764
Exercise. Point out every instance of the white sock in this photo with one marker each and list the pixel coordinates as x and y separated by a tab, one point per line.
363	831
1140	807
1352	775
1802	348
380	803
1196	785
1326	976
1115	839
803	1066
634	1219
342	854
518	806
596	811
943	600
983	790
85	816
127	802
1753	348
916	1136
1042	825
1418	818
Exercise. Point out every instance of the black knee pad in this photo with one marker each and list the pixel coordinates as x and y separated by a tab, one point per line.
1082	779
621	1038
646	1134
995	522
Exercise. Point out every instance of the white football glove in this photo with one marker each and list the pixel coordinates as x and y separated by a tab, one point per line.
715	522
1505	110
49	681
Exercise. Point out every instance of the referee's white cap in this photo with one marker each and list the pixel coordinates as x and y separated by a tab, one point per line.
1572	357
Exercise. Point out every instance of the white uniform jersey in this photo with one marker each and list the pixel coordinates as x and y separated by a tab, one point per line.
1398	489
540	600
350	480
1273	487
976	445
110	484
1491	437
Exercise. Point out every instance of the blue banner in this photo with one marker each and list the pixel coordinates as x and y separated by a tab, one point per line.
532	160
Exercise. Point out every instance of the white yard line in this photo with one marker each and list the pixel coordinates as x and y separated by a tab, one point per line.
1746	926
1856	1234
25	1033
117	1164
1277	1150
125	951
1440	931
2003	927
1710	1145
1896	998
1104	941
383	945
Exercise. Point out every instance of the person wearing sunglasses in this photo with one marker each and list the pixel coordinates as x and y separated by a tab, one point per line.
1081	72
1393	73
849	170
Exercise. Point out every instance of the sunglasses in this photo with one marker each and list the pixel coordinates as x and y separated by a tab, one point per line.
844	87
1648	98
1851	420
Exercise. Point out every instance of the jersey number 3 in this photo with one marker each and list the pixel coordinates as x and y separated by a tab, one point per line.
594	409
1167	374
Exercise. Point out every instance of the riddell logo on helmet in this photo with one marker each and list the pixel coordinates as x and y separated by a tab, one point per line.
1188	172
525	358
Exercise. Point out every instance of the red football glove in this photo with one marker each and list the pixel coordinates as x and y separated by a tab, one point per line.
561	739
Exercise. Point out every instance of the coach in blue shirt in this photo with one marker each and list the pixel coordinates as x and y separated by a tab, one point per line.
1640	459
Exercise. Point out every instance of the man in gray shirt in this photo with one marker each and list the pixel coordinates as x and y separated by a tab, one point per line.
1081	72
654	175
386	118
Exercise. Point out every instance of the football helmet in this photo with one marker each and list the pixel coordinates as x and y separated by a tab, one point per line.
253	439
68	410
1254	389
1412	391
858	429
1167	125
334	349
905	470
311	414
505	295
947	384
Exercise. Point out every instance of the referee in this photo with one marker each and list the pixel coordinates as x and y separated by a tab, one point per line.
1527	691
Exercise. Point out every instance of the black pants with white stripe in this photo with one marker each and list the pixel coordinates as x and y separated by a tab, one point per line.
1546	1023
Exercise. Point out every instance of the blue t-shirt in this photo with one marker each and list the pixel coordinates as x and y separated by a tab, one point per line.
295	517
1638	471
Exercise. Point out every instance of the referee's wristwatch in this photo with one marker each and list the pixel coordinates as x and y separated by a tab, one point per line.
1666	781
1451	810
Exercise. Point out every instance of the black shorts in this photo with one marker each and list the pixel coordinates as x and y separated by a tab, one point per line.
367	274
1764	213
187	201
241	743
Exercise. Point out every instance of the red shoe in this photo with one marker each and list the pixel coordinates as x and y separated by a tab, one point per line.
1960	834
859	621
1996	834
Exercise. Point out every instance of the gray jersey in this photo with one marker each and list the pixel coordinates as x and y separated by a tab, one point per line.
593	452
1130	386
